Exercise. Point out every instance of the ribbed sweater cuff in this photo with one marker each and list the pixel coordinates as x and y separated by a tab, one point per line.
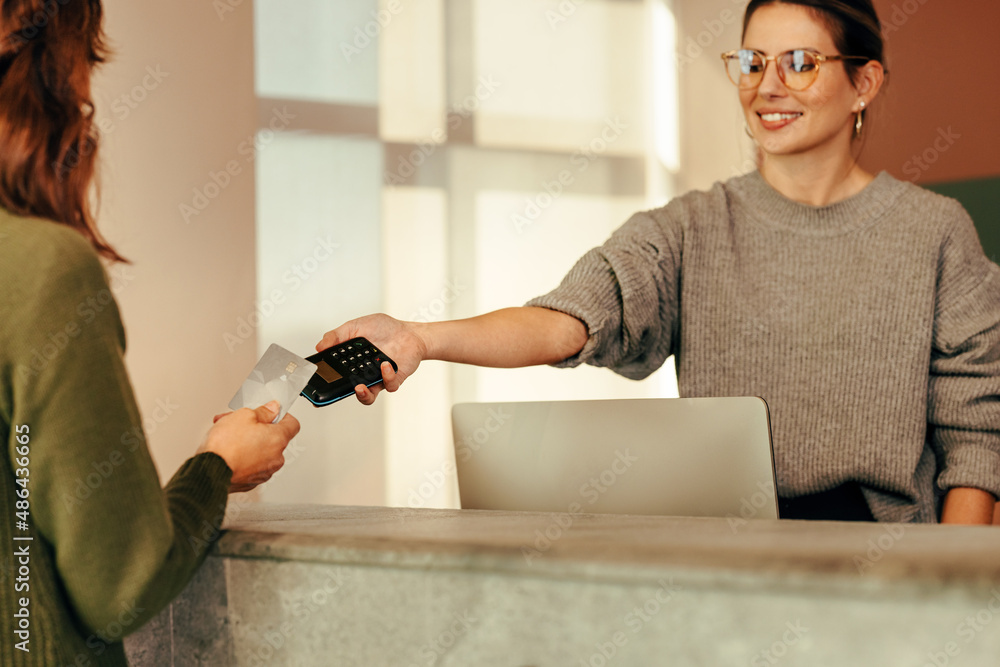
971	465
203	475
563	300
201	486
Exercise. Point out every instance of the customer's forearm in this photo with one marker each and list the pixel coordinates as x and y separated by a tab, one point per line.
968	506
508	338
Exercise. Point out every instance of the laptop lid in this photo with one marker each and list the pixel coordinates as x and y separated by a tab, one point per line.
674	456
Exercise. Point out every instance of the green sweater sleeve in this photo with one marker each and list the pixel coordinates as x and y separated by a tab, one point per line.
120	542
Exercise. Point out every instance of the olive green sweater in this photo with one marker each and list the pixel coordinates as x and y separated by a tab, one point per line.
99	547
871	327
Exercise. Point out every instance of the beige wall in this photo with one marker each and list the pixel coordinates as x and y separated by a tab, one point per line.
175	104
714	146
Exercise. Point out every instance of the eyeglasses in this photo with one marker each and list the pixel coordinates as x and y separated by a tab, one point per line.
797	69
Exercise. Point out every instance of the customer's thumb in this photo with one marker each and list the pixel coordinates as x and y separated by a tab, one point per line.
267	412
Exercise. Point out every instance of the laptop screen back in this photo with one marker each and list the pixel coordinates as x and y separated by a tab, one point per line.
680	457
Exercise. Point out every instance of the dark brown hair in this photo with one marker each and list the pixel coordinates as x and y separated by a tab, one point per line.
48	142
853	24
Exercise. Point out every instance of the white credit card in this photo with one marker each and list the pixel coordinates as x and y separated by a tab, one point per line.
279	376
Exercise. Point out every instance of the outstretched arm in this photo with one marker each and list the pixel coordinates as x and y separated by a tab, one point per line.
507	338
618	308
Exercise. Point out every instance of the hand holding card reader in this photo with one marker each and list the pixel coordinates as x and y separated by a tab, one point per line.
339	369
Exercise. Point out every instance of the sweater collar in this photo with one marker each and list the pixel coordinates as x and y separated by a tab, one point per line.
771	208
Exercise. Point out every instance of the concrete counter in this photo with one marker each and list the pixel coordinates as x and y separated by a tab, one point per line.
312	585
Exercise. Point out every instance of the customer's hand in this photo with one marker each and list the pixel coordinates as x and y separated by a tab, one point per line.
400	340
250	444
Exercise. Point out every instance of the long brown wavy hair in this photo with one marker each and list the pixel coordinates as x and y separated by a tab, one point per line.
48	141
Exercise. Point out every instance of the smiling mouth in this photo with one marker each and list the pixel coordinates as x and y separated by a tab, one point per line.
778	117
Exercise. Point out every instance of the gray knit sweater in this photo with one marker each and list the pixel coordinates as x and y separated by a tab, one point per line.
871	327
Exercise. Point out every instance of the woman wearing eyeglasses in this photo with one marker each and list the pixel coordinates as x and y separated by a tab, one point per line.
861	308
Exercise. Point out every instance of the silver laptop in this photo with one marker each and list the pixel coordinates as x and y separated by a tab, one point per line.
671	456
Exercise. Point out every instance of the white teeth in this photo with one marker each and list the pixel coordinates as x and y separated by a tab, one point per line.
776	117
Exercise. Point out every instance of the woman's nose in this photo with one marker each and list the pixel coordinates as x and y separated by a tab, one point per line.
771	84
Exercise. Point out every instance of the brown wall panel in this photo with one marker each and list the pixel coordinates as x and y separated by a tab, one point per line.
939	118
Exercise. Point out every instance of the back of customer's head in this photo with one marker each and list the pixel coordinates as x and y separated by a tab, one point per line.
48	141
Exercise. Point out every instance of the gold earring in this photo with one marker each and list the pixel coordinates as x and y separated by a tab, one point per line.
859	123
